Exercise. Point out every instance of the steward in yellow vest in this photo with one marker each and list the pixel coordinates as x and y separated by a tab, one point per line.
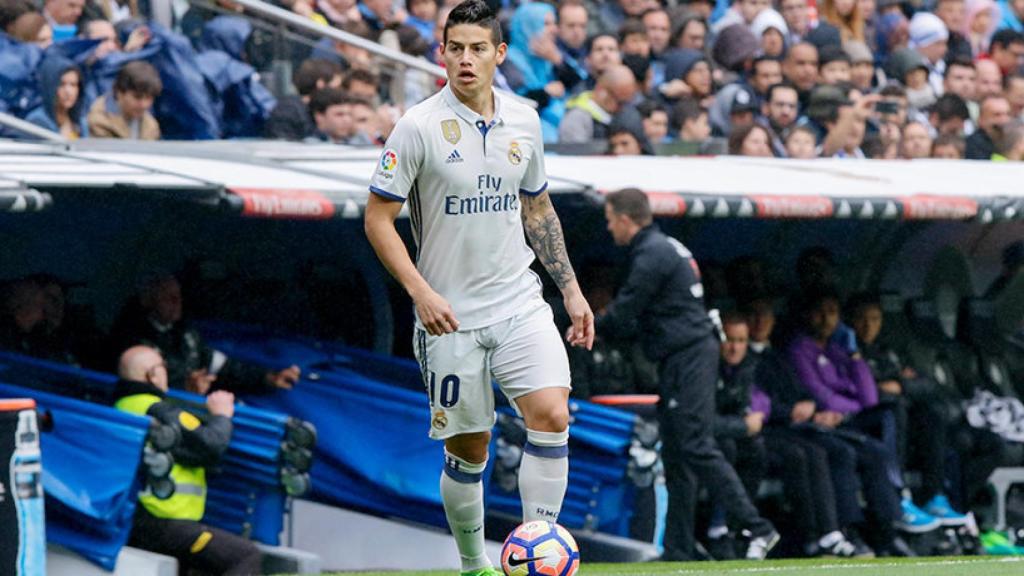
172	526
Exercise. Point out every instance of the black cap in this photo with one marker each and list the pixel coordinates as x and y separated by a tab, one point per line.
743	101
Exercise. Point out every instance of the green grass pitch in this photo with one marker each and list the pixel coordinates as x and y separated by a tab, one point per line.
953	566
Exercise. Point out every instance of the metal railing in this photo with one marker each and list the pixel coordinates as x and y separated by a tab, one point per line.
19	125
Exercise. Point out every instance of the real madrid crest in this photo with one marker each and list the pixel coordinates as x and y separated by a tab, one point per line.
440	420
515	155
451	131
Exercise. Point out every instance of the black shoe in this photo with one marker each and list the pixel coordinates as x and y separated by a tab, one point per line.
722	548
897	548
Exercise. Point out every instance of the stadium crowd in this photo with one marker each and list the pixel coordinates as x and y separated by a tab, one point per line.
797	79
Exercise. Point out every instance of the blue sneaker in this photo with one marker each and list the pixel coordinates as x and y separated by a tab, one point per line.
940	508
915	520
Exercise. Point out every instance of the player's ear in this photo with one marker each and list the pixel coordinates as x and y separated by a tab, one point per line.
502	51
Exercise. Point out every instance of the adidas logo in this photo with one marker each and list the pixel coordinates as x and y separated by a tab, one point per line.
453	158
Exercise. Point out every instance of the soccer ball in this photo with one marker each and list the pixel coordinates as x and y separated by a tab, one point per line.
540	548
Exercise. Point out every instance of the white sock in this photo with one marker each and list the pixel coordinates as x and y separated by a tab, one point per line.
544	474
463	495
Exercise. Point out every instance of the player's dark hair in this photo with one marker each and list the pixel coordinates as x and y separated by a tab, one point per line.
475	12
631	202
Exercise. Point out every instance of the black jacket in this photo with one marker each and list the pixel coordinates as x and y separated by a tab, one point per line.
200	445
979	146
732	398
777	379
662	300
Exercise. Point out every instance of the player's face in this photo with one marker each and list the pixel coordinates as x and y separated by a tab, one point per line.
734	349
618	226
868	323
470	58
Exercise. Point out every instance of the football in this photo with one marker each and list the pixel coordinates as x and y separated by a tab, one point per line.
540	548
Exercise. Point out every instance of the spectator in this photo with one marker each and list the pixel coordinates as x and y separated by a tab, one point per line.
953	13
156	319
801	69
910	69
915	143
691	33
949	115
380	15
572	29
113	11
291	118
1007	51
701	8
109	42
602	54
125	112
930	38
994	113
365	122
797	16
734	49
800	143
31	28
843	119
633	40
980	23
60	86
833	65
332	115
361	83
988	81
63	15
690	121
422	17
892	34
535	67
64	335
780	112
846	16
948	147
771	31
687	73
172	526
658	27
661	303
624	140
767	72
862	65
960	80
1014	91
590	114
654	118
1009	144
742	12
752	140
743	110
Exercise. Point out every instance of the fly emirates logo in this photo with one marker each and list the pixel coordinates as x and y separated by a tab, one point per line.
488	199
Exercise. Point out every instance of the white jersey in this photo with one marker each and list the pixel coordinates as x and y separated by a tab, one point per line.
463	177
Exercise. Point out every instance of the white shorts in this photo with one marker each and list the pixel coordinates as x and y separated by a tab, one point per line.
523	353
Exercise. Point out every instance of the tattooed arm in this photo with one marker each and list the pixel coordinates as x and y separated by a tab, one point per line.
544	231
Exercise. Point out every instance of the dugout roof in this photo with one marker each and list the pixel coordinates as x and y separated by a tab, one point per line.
269	179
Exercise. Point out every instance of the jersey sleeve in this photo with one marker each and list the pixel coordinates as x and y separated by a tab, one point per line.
399	163
535	180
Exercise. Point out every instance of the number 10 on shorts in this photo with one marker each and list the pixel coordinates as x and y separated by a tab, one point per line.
449	390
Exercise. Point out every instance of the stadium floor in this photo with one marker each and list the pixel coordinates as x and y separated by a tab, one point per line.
950	566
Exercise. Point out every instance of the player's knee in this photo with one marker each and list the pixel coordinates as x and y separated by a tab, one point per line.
554	419
469	447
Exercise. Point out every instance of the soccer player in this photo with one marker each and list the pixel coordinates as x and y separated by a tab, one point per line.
470	162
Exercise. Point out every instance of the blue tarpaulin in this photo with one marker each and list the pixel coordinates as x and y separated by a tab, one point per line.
90	460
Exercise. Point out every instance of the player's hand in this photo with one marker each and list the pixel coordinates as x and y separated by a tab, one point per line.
221	403
802	411
199	381
755	422
828	419
891	387
581	333
435	313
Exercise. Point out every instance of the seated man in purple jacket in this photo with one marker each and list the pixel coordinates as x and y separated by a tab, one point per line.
846	393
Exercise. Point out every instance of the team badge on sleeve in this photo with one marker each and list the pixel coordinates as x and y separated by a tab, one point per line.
388	163
451	131
515	155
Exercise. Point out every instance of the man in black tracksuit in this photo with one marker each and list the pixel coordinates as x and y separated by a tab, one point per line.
662	304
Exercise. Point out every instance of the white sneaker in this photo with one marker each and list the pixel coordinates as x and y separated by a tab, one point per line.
760	546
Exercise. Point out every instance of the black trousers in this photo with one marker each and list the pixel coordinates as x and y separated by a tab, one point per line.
806	477
689	452
197	546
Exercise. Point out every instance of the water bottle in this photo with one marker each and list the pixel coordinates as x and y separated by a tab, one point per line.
27	482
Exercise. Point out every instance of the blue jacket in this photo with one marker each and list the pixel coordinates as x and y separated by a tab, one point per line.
49	74
18	90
